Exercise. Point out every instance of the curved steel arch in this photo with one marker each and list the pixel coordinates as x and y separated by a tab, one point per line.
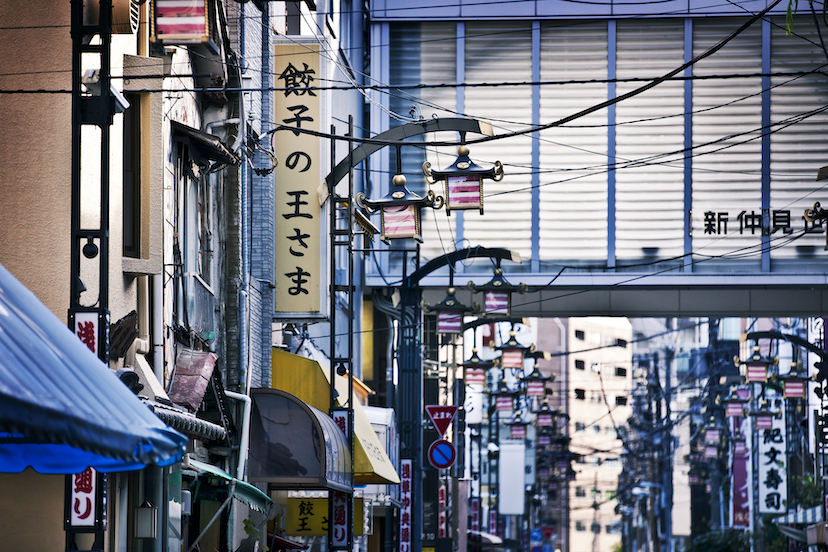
400	133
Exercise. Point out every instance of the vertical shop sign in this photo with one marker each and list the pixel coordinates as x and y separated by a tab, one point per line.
741	475
405	511
772	462
475	514
493	521
83	498
298	217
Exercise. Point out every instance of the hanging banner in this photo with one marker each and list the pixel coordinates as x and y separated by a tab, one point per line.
772	461
741	476
298	218
475	514
405	501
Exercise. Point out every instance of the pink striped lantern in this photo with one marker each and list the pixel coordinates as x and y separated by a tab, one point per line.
794	384
535	383
180	22
511	353
463	181
764	420
503	403
711	451
475	376
544	419
400	210
735	403
712	435
497	294
450	313
756	372
544	440
475	369
517	428
543	472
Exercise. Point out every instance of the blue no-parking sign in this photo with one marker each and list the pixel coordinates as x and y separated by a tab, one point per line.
441	454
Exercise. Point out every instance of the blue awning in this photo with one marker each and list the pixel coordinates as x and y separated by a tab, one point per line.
61	408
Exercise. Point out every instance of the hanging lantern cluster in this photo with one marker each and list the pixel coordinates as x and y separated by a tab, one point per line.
463	180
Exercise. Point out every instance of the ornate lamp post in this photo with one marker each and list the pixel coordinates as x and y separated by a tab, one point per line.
463	180
512	353
400	210
735	403
497	293
794	384
450	313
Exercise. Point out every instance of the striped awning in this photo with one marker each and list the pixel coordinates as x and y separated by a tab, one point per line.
805	517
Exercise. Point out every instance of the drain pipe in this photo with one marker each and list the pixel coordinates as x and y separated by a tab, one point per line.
158	328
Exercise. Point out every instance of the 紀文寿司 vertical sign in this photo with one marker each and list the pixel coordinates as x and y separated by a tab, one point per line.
298	216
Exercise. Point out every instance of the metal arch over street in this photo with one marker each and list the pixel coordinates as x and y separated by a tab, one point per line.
400	133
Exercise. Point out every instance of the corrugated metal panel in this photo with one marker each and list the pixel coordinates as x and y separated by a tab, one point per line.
727	173
501	52
573	179
649	195
420	56
798	150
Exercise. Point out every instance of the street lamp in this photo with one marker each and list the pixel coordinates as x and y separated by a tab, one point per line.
756	369
735	403
793	383
463	180
512	352
497	293
400	210
450	313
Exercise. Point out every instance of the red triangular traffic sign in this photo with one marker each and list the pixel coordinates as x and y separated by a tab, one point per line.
441	416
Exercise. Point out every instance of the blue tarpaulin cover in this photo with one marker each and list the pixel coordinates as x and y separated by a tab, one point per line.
61	408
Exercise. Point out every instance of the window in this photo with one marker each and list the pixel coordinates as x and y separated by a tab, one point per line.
580	365
621	372
621	401
596	527
580	491
611	495
579	334
580	394
132	178
597	429
580	526
294	18
596	494
614	528
580	426
595	396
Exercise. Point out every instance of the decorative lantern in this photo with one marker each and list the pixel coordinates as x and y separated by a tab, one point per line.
756	369
739	445
735	403
475	369
497	293
511	353
517	427
449	313
545	415
536	383
763	417
504	397
712	435
400	210
711	451
544	440
794	384
463	180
